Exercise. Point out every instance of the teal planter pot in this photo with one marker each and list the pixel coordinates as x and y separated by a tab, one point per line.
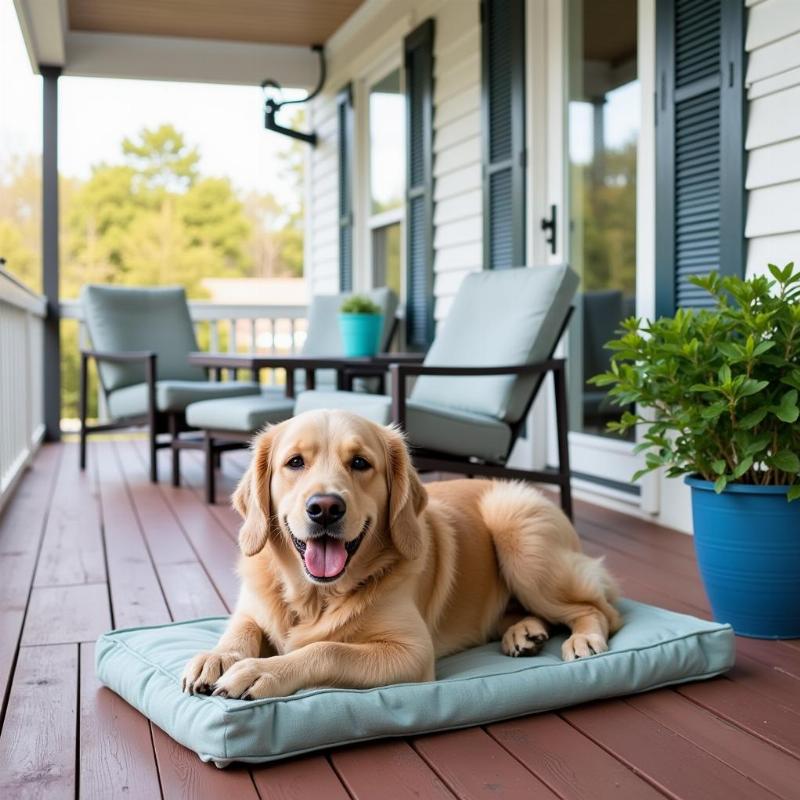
361	334
747	541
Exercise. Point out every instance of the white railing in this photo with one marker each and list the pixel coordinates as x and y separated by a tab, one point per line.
271	329
22	314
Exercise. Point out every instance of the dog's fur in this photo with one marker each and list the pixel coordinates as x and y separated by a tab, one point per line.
440	568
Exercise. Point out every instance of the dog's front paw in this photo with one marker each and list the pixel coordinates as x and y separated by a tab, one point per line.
254	678
583	645
205	669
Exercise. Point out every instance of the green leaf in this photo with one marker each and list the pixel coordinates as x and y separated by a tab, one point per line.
724	374
785	460
718	466
750	387
752	419
794	492
776	272
714	410
787	410
730	350
720	484
742	467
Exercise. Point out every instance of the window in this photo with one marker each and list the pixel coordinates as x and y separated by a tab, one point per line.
387	165
604	119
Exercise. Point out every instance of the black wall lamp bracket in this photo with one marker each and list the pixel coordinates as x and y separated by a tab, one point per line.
272	106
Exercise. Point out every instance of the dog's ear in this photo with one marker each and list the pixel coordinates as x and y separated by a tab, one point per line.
251	498
407	496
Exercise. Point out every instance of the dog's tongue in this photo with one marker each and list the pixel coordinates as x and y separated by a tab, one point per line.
325	557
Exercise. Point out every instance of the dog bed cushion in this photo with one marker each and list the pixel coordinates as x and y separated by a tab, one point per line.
653	648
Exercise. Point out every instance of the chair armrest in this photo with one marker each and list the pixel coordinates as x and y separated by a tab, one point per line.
399	358
121	357
400	372
148	358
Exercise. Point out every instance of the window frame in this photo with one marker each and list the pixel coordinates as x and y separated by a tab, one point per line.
367	222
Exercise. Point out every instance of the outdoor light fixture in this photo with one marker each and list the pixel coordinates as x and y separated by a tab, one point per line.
272	106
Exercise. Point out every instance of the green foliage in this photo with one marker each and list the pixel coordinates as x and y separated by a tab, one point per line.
151	218
359	304
722	384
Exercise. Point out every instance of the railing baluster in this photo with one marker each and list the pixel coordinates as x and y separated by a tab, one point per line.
21	395
253	337
214	335
232	337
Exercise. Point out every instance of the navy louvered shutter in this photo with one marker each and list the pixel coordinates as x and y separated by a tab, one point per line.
699	147
418	48
344	116
503	113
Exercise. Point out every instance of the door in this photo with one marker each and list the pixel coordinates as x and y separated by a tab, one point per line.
594	153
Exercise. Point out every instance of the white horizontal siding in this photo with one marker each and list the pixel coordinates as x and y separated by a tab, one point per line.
773	133
322	202
458	201
458	216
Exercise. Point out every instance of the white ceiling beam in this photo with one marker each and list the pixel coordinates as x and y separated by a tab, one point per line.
111	55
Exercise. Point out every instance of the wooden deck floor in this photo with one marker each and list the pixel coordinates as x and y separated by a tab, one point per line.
81	553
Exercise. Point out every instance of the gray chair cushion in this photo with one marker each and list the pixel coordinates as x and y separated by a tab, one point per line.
429	426
124	319
242	414
131	401
503	318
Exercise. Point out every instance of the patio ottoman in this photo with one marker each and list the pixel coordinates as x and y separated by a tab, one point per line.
654	648
240	414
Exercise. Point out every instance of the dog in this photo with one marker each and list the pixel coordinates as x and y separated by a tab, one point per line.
354	574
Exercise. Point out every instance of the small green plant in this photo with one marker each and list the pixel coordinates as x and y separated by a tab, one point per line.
359	304
721	384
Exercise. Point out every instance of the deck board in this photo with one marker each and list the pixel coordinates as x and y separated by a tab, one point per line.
80	552
673	764
72	549
568	762
116	756
21	529
38	741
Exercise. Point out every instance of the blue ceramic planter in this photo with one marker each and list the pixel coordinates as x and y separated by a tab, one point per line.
747	541
361	334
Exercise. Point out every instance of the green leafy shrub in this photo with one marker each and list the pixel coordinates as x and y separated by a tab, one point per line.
721	384
359	304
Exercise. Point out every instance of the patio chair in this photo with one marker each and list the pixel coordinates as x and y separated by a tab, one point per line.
141	340
230	423
480	377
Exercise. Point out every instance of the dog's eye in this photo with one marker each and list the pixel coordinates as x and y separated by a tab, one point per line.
359	463
296	462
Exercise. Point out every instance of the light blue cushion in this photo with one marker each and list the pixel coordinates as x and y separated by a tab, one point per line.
434	427
121	318
131	401
507	318
242	414
654	648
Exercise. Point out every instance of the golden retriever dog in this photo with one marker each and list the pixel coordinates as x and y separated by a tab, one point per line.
355	574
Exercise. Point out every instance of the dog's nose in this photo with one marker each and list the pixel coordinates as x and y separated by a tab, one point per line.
325	509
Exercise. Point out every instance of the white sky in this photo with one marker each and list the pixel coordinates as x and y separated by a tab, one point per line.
225	122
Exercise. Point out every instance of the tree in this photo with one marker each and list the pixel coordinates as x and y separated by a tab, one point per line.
162	159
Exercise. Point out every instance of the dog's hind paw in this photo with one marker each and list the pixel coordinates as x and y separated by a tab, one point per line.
524	638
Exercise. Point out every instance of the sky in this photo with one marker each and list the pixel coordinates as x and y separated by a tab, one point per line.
225	122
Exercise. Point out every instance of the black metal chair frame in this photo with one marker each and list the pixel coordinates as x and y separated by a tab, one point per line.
434	461
156	422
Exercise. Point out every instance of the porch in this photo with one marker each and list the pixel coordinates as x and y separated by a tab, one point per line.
80	553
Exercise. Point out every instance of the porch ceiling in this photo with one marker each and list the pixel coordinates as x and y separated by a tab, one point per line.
298	22
207	41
